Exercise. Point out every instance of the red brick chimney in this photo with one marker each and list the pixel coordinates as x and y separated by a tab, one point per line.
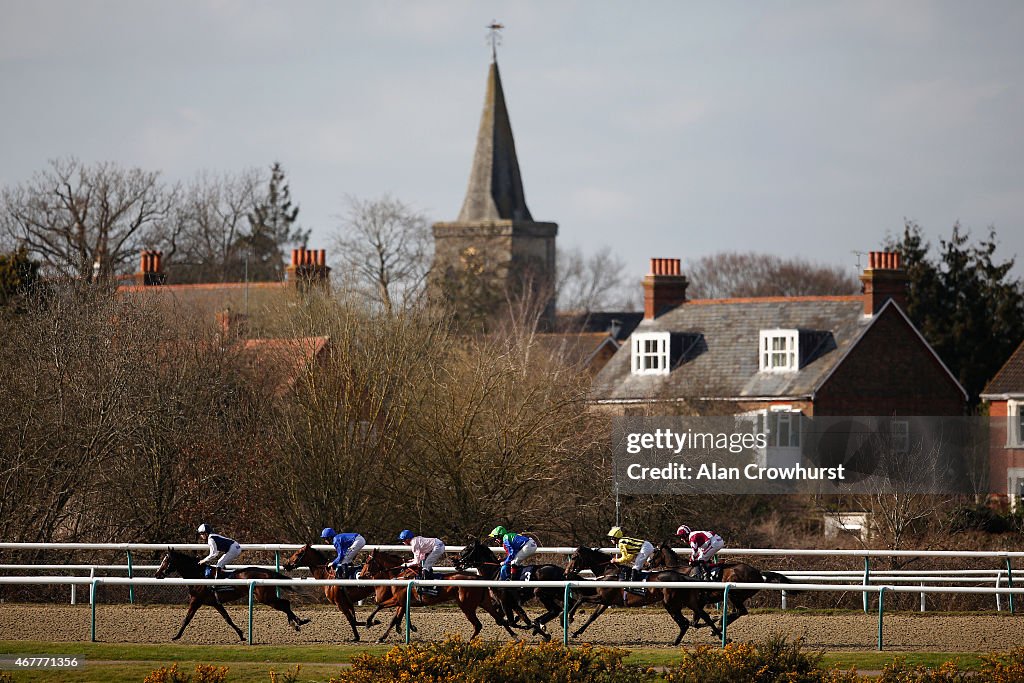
232	325
308	266
150	268
664	287
883	279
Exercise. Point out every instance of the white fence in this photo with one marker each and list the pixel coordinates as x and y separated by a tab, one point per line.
566	586
868	576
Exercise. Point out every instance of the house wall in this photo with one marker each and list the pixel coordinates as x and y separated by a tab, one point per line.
1001	458
890	372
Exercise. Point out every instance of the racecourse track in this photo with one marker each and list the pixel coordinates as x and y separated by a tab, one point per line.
644	627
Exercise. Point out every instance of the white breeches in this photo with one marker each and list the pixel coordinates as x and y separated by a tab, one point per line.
529	549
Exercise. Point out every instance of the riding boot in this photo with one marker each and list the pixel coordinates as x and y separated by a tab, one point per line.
700	571
636	575
427	575
344	571
215	574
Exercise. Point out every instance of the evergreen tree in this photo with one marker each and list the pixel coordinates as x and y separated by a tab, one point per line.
272	230
966	304
18	273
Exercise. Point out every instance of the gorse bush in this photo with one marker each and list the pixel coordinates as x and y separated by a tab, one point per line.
457	661
204	673
773	660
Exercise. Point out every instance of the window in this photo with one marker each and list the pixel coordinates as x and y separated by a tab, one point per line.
781	424
900	436
1015	424
1015	486
650	353
779	350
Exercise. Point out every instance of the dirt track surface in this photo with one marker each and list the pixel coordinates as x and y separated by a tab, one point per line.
645	627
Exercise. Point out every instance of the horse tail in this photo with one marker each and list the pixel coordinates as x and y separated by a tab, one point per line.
775	577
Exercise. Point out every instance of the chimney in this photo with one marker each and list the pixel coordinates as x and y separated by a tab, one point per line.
664	287
308	267
883	279
231	325
150	268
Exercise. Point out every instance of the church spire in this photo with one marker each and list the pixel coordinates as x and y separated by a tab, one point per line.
495	189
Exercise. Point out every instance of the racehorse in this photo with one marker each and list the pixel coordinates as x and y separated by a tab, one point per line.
479	556
343	597
381	565
729	572
673	599
188	567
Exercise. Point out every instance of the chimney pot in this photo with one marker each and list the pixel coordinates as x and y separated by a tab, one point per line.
883	280
664	287
322	258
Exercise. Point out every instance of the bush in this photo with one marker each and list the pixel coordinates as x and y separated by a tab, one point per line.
770	661
204	673
457	661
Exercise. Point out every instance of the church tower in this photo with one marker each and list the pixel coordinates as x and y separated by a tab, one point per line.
495	240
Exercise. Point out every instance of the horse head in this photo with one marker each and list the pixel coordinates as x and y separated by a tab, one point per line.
165	565
299	558
474	554
586	558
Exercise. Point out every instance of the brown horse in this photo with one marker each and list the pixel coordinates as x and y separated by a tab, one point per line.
342	597
673	599
381	565
730	572
188	567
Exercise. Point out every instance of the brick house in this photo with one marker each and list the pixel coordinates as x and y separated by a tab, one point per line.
1004	395
782	356
243	312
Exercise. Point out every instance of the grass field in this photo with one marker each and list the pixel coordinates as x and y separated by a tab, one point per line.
120	663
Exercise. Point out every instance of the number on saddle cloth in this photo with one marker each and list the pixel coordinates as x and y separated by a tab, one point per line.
524	573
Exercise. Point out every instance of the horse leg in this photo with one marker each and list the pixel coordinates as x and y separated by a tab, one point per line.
469	609
369	620
499	616
553	610
282	605
193	605
593	616
676	612
738	608
224	613
348	610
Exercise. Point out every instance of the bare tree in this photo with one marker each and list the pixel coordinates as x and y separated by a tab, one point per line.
387	246
734	274
210	222
83	220
591	283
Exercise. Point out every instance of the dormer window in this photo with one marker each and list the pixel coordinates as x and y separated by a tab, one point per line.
651	353
779	350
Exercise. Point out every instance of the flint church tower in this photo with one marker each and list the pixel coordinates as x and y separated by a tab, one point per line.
495	242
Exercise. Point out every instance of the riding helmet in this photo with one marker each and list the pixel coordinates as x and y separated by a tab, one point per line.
405	535
498	532
683	530
615	532
204	529
328	533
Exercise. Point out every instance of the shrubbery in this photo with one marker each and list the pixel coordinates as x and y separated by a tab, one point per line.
204	673
457	661
773	660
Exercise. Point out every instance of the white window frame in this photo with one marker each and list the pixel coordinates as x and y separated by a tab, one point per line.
650	353
774	359
776	454
899	436
1014	481
1015	424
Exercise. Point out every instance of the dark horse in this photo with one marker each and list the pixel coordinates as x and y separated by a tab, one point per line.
188	567
381	565
343	597
480	557
730	572
673	599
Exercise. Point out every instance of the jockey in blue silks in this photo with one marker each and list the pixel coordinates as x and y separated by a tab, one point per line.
517	549
348	546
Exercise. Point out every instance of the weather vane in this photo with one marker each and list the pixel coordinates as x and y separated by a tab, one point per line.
494	35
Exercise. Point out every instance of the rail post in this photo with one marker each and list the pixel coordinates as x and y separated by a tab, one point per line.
922	598
252	591
408	606
565	614
867	580
277	568
92	588
92	610
131	588
999	582
725	614
881	610
1009	582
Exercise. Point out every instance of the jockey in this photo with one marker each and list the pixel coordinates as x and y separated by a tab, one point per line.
633	553
703	547
425	553
348	546
517	549
222	549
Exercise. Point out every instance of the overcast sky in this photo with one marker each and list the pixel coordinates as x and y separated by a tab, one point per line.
659	129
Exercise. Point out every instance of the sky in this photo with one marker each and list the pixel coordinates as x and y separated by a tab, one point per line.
658	129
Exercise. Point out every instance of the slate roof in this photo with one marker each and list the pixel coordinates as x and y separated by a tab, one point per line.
1009	379
600	322
717	350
